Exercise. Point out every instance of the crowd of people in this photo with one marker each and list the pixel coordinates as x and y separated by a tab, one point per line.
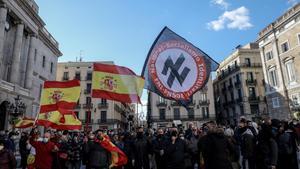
270	144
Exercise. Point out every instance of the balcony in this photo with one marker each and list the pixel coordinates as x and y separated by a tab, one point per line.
87	91
108	121
161	103
65	78
88	106
103	105
84	121
77	77
253	99
237	83
251	65
174	103
170	118
251	82
204	102
78	106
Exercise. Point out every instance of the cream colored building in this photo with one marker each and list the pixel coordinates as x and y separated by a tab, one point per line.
279	45
239	87
94	113
163	112
28	57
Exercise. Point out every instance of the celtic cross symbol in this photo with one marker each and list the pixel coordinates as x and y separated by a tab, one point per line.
174	70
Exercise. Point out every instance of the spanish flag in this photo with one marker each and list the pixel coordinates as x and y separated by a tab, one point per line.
24	123
59	95
116	83
62	120
118	157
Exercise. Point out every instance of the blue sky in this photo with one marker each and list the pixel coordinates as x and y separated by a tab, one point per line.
123	30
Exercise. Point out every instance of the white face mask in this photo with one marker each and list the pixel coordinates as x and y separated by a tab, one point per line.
45	140
1	147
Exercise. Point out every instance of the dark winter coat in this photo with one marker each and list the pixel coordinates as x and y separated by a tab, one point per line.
142	150
96	155
175	154
216	151
7	159
158	145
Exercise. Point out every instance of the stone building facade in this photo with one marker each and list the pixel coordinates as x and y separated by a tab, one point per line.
164	113
94	113
279	45
28	57
239	86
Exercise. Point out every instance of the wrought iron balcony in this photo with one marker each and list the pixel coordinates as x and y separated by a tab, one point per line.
88	106
251	65
84	121
251	82
170	118
174	103
103	105
204	102
253	99
161	103
108	121
78	106
88	77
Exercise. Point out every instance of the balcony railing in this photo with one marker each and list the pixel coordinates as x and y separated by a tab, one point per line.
78	106
251	82
103	105
88	78
204	102
161	103
253	99
170	118
77	77
65	78
88	106
84	121
108	121
87	91
174	103
251	65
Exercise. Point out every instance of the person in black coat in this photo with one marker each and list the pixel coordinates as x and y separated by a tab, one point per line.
142	148
215	148
266	149
175	151
97	156
159	148
23	150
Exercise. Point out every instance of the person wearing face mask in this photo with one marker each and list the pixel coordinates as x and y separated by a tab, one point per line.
74	149
142	150
44	149
159	147
7	158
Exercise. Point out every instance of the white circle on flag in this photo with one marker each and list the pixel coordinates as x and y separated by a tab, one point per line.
189	63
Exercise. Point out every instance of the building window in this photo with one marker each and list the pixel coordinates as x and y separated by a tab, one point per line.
88	116
161	99
284	47
298	37
51	67
176	113
242	112
275	102
88	100
254	109
89	76
232	95
103	101
205	112
250	76
191	113
77	75
88	88
44	61
240	94
35	55
252	92
295	100
273	77
237	78
248	62
162	114
40	91
66	76
269	55
103	116
203	96
290	69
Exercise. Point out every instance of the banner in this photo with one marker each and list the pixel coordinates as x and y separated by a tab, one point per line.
24	123
116	83
175	68
118	157
61	119
59	95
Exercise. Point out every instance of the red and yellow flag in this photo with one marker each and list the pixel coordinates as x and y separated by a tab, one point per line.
118	157
62	119
59	95
116	83
24	123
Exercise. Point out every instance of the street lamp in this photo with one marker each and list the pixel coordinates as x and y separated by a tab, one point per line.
16	109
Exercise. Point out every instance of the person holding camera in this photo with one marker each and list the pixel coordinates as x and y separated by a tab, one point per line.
175	150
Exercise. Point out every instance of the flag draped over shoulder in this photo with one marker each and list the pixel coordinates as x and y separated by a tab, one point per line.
116	83
24	123
175	68
61	119
59	95
118	157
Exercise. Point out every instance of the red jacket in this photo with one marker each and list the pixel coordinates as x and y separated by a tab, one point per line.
43	158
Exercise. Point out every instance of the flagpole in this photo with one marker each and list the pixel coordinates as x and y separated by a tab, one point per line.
137	114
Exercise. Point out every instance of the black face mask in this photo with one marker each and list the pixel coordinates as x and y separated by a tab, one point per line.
139	134
159	135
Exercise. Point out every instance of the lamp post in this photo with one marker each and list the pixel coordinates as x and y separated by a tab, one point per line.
16	109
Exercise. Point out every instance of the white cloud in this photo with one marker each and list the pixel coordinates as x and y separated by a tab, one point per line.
235	19
221	3
292	2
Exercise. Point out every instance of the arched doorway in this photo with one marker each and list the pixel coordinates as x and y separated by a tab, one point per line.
3	110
